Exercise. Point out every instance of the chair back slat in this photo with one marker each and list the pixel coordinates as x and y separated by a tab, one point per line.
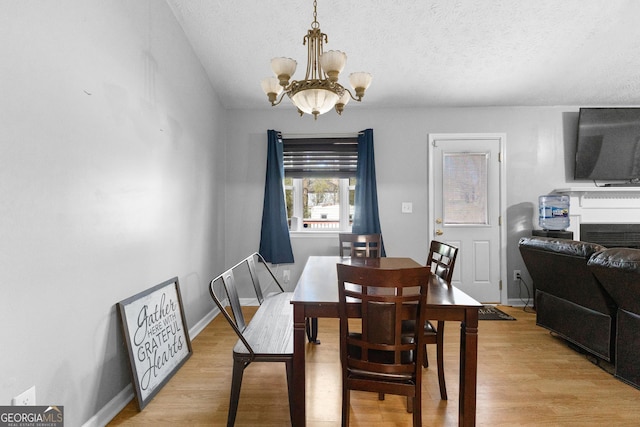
251	260
442	259
234	299
230	293
255	279
360	245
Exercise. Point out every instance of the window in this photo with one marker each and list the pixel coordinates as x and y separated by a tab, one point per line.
320	183
317	202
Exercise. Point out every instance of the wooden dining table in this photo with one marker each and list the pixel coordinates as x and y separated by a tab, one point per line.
316	295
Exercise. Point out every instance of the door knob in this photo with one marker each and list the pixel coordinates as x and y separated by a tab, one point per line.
439	221
439	233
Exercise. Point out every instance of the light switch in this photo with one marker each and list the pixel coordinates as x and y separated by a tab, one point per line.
407	207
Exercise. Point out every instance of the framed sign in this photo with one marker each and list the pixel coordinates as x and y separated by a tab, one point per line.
155	333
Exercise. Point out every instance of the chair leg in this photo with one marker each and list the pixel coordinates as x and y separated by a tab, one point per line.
289	366
425	362
417	408
440	357
346	405
410	404
311	326
236	383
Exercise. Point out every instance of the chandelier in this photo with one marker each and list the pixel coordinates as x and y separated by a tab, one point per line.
320	91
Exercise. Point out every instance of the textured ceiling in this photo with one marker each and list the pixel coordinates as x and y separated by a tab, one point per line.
429	53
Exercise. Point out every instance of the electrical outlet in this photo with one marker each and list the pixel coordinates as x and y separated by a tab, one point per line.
27	398
517	275
286	276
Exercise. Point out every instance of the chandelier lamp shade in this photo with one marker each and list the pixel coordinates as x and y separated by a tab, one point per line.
320	91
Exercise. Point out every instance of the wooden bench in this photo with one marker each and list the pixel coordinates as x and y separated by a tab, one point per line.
268	337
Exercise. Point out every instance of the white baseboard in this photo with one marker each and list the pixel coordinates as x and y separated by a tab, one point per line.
517	302
122	399
199	326
111	409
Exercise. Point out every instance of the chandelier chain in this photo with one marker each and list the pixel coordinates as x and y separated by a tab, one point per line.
315	23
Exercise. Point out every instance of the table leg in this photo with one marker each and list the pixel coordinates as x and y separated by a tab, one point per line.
468	368
299	334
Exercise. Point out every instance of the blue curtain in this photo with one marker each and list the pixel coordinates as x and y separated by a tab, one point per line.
366	219
275	244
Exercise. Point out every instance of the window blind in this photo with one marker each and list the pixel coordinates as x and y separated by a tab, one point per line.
320	157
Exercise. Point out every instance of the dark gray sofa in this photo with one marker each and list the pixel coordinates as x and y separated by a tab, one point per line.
569	300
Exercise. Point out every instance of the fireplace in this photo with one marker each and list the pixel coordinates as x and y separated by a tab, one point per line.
611	235
609	216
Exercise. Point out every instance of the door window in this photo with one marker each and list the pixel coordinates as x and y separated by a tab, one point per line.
465	189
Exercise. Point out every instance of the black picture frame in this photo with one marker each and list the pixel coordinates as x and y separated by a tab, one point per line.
155	333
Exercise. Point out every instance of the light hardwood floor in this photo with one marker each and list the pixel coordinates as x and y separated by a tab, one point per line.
525	377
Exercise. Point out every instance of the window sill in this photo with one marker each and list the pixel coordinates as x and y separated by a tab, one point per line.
317	234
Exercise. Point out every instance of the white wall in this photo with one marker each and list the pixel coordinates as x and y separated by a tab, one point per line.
111	181
540	145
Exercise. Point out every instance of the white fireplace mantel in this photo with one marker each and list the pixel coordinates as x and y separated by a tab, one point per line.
601	205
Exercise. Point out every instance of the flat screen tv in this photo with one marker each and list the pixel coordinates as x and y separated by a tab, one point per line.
608	145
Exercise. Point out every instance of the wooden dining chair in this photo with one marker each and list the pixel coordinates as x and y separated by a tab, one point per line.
355	246
268	337
375	354
441	260
360	245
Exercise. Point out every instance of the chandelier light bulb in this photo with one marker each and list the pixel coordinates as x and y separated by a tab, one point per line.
283	68
344	100
333	62
360	81
271	87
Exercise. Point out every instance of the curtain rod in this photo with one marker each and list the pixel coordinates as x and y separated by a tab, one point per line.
319	135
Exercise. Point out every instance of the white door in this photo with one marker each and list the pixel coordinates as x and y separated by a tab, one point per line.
466	198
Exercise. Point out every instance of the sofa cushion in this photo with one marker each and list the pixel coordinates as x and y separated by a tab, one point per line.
618	269
562	246
626	259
